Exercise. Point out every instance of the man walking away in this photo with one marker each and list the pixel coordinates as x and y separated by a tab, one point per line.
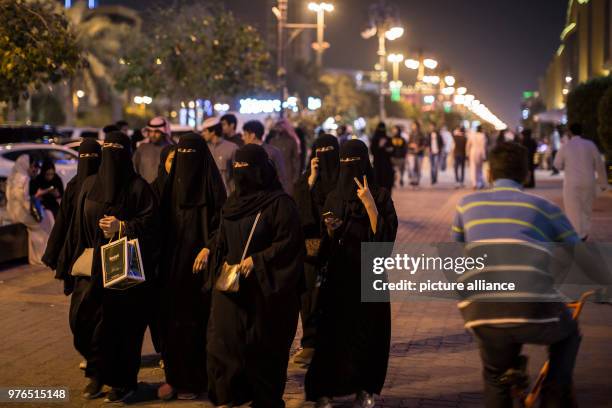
435	145
146	158
503	326
252	133
460	142
221	150
580	159
555	145
229	123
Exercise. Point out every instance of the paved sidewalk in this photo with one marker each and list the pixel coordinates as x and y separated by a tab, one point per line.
434	361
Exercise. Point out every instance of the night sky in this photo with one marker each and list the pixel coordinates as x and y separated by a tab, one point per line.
497	48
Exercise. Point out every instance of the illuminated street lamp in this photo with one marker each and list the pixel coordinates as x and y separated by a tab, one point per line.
394	33
430	63
384	24
449	80
462	90
320	46
395	59
412	64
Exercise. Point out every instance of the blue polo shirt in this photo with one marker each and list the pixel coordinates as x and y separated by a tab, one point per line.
507	212
514	227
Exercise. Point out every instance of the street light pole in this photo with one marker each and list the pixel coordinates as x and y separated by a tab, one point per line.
382	54
320	45
281	70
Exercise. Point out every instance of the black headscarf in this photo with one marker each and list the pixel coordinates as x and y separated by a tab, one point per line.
116	169
256	183
329	164
195	178
89	159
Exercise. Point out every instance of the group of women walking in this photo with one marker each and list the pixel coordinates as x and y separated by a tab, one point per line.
227	276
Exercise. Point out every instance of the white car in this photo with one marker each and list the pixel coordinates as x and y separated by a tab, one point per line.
65	160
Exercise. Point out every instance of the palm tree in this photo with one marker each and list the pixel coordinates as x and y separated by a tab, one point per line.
100	33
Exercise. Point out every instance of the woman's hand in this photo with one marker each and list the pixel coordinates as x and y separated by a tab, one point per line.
109	225
365	195
314	172
246	267
41	192
201	260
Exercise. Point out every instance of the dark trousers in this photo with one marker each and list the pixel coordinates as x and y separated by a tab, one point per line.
434	162
501	346
459	169
308	306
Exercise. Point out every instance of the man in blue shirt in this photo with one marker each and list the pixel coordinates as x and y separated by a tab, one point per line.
505	215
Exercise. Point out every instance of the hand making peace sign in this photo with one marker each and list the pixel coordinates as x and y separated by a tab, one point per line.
364	193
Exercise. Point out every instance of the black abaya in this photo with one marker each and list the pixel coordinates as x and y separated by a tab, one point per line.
382	150
188	227
353	337
109	324
310	203
250	332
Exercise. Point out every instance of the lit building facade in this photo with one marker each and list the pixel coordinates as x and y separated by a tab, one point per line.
585	50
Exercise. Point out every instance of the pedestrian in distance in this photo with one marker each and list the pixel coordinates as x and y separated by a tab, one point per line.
435	147
146	158
459	156
222	150
476	150
229	124
584	174
400	150
253	133
382	151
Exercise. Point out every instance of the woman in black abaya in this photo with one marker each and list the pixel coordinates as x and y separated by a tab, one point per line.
109	324
89	161
310	193
191	206
352	348
382	150
166	157
250	331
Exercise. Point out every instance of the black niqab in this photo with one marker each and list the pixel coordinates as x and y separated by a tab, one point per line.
89	159
256	182
355	164
116	169
196	178
329	164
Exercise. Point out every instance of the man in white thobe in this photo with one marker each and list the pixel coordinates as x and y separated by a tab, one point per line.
476	150
581	161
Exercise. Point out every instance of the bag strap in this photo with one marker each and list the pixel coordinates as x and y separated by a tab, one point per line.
246	247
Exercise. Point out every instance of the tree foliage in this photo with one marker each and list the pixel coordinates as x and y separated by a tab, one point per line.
605	122
100	38
205	52
583	105
36	48
342	98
